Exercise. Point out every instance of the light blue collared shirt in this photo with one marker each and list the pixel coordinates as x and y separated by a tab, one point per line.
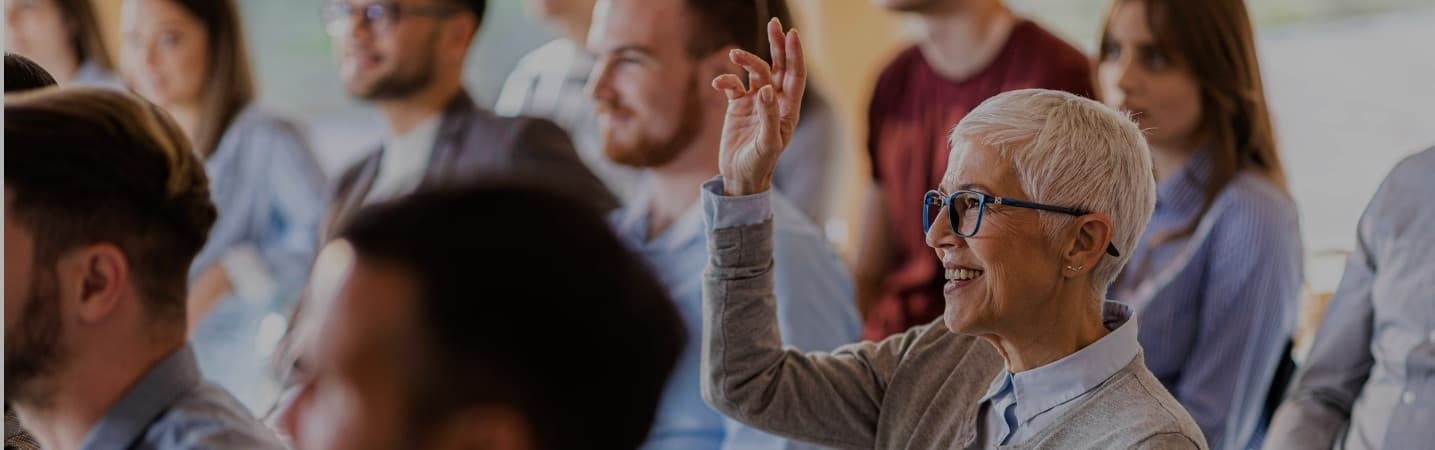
1218	306
1369	381
171	408
1018	406
816	311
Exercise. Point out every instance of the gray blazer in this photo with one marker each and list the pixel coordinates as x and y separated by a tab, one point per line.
473	142
917	390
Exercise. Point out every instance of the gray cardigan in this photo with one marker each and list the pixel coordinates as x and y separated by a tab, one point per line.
917	390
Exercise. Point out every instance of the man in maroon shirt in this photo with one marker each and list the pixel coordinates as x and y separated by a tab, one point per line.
969	50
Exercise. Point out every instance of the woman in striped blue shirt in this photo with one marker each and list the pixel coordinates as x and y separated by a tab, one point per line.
1217	274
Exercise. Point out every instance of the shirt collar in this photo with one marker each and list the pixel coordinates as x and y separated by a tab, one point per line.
631	222
1186	189
159	389
1046	387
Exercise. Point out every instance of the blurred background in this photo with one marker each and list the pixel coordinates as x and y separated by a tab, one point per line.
1350	83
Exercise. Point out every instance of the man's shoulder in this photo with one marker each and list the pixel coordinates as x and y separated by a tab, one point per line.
480	125
1032	38
1412	174
208	417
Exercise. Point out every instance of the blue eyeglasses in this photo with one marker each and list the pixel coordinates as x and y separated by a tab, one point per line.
965	210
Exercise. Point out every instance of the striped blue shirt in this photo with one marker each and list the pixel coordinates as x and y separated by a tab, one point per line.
1217	306
1369	381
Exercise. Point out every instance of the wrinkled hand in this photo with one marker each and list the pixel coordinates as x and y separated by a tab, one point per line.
761	116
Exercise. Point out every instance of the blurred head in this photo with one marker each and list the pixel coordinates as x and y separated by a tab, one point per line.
1052	148
22	74
393	50
656	60
1187	72
188	53
55	32
105	207
419	351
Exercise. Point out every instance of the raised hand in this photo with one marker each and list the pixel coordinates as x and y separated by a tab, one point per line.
762	115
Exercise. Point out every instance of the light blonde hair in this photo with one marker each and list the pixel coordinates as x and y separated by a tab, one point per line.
1072	152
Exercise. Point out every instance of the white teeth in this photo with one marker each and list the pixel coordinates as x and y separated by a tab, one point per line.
962	274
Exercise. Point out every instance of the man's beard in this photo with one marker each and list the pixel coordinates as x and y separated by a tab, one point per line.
406	80
648	152
32	346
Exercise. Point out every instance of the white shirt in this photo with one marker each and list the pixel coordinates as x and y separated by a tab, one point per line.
403	161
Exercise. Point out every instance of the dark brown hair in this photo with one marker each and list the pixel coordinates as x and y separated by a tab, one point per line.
739	23
22	74
464	354
1213	40
90	165
86	37
228	82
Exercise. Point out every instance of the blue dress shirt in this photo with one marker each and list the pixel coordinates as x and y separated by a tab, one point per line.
816	312
1369	381
171	408
1217	306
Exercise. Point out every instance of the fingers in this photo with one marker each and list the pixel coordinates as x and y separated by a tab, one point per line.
759	74
777	41
731	85
771	125
795	76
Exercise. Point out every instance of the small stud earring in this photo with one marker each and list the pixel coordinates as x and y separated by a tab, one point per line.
1075	269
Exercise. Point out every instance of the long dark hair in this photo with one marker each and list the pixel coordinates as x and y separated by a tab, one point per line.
86	38
1214	41
228	82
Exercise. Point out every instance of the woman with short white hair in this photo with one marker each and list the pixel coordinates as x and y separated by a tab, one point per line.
1043	192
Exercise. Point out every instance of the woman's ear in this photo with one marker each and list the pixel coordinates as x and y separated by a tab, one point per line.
1094	233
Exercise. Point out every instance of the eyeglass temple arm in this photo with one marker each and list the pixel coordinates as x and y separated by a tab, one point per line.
1110	248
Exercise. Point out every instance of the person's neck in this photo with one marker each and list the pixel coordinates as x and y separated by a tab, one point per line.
959	43
86	389
1051	334
677	186
405	114
186	115
1168	159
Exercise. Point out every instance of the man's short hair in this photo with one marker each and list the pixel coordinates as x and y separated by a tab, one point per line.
524	290
739	23
89	165
22	74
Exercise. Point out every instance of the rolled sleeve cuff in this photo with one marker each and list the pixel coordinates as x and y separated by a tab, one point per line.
251	279
721	211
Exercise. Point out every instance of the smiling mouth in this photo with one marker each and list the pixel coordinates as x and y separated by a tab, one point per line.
963	274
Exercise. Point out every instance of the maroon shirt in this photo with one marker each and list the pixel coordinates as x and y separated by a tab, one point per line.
912	114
